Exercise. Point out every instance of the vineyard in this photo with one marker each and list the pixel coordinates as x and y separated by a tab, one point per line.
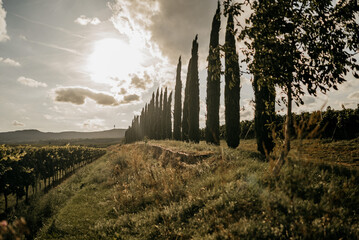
25	167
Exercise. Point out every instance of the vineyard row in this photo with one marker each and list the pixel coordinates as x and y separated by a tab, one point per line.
25	166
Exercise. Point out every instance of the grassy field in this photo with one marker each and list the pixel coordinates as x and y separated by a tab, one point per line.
137	192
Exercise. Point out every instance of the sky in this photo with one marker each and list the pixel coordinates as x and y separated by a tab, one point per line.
91	65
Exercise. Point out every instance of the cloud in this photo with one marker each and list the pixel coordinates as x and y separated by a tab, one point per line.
172	25
17	123
78	95
308	99
53	46
3	33
93	124
130	98
10	62
31	82
354	95
49	26
83	20
122	91
141	83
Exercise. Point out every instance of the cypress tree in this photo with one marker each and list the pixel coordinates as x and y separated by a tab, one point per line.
146	123
168	117
232	86
164	114
142	123
151	110
193	96
161	118
185	104
156	114
178	103
213	81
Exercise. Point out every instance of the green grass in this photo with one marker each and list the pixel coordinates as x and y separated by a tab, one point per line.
134	193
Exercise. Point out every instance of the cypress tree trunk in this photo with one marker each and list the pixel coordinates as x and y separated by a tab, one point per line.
185	104
193	96
213	82
264	94
178	104
232	86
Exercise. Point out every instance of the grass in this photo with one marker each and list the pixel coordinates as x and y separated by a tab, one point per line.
134	192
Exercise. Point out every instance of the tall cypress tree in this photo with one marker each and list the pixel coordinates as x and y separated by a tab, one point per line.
232	86
157	112
178	103
168	117
152	121
214	81
193	96
161	118
146	123
185	104
164	114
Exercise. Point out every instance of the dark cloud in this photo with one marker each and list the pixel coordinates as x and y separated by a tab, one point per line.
78	95
140	83
178	22
122	91
172	24
130	98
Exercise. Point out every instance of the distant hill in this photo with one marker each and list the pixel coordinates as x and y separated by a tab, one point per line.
32	136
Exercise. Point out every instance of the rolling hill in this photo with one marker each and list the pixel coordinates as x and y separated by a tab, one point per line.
33	136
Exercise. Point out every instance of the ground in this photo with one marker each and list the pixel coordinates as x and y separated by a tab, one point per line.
176	190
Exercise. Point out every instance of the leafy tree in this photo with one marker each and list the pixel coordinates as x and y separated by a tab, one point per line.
193	95
232	85
213	81
264	114
178	103
309	44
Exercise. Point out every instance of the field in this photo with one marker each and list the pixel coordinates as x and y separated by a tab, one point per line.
176	190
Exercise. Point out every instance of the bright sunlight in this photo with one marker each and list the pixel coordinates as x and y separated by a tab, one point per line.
113	59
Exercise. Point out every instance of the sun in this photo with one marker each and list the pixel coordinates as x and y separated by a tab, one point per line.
113	59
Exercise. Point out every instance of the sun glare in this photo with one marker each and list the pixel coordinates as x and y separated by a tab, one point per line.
113	59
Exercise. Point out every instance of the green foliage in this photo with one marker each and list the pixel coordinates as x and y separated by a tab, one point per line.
213	81
232	85
185	103
24	166
193	96
155	121
308	44
177	115
229	195
264	116
168	117
332	124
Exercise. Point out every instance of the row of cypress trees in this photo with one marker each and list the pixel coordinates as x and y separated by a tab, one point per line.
155	120
190	118
186	119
